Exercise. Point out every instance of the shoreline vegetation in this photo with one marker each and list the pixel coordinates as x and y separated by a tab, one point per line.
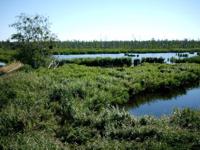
9	49
7	55
101	62
195	59
79	107
110	62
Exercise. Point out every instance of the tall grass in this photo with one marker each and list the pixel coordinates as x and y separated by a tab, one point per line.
75	107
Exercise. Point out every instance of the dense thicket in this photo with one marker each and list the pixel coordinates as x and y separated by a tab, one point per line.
74	106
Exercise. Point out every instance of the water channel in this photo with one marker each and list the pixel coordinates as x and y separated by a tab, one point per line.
133	56
159	104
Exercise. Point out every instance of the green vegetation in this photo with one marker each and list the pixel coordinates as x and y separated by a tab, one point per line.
79	105
110	62
103	62
91	47
75	107
150	44
88	47
153	60
195	59
6	55
125	46
119	50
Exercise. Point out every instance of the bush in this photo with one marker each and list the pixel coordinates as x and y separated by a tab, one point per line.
30	54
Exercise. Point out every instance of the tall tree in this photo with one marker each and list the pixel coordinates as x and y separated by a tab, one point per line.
34	36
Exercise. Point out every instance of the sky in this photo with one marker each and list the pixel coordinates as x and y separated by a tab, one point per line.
109	19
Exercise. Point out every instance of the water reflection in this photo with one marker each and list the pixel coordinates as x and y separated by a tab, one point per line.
163	103
139	100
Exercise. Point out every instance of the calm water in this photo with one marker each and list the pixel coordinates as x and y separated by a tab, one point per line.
166	56
164	103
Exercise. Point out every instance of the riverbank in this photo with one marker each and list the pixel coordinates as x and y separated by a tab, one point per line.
75	106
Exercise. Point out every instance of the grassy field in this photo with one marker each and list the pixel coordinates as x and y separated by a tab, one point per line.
76	107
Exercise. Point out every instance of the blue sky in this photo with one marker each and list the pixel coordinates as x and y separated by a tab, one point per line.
109	19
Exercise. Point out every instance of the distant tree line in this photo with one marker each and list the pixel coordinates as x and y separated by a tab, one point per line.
151	44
